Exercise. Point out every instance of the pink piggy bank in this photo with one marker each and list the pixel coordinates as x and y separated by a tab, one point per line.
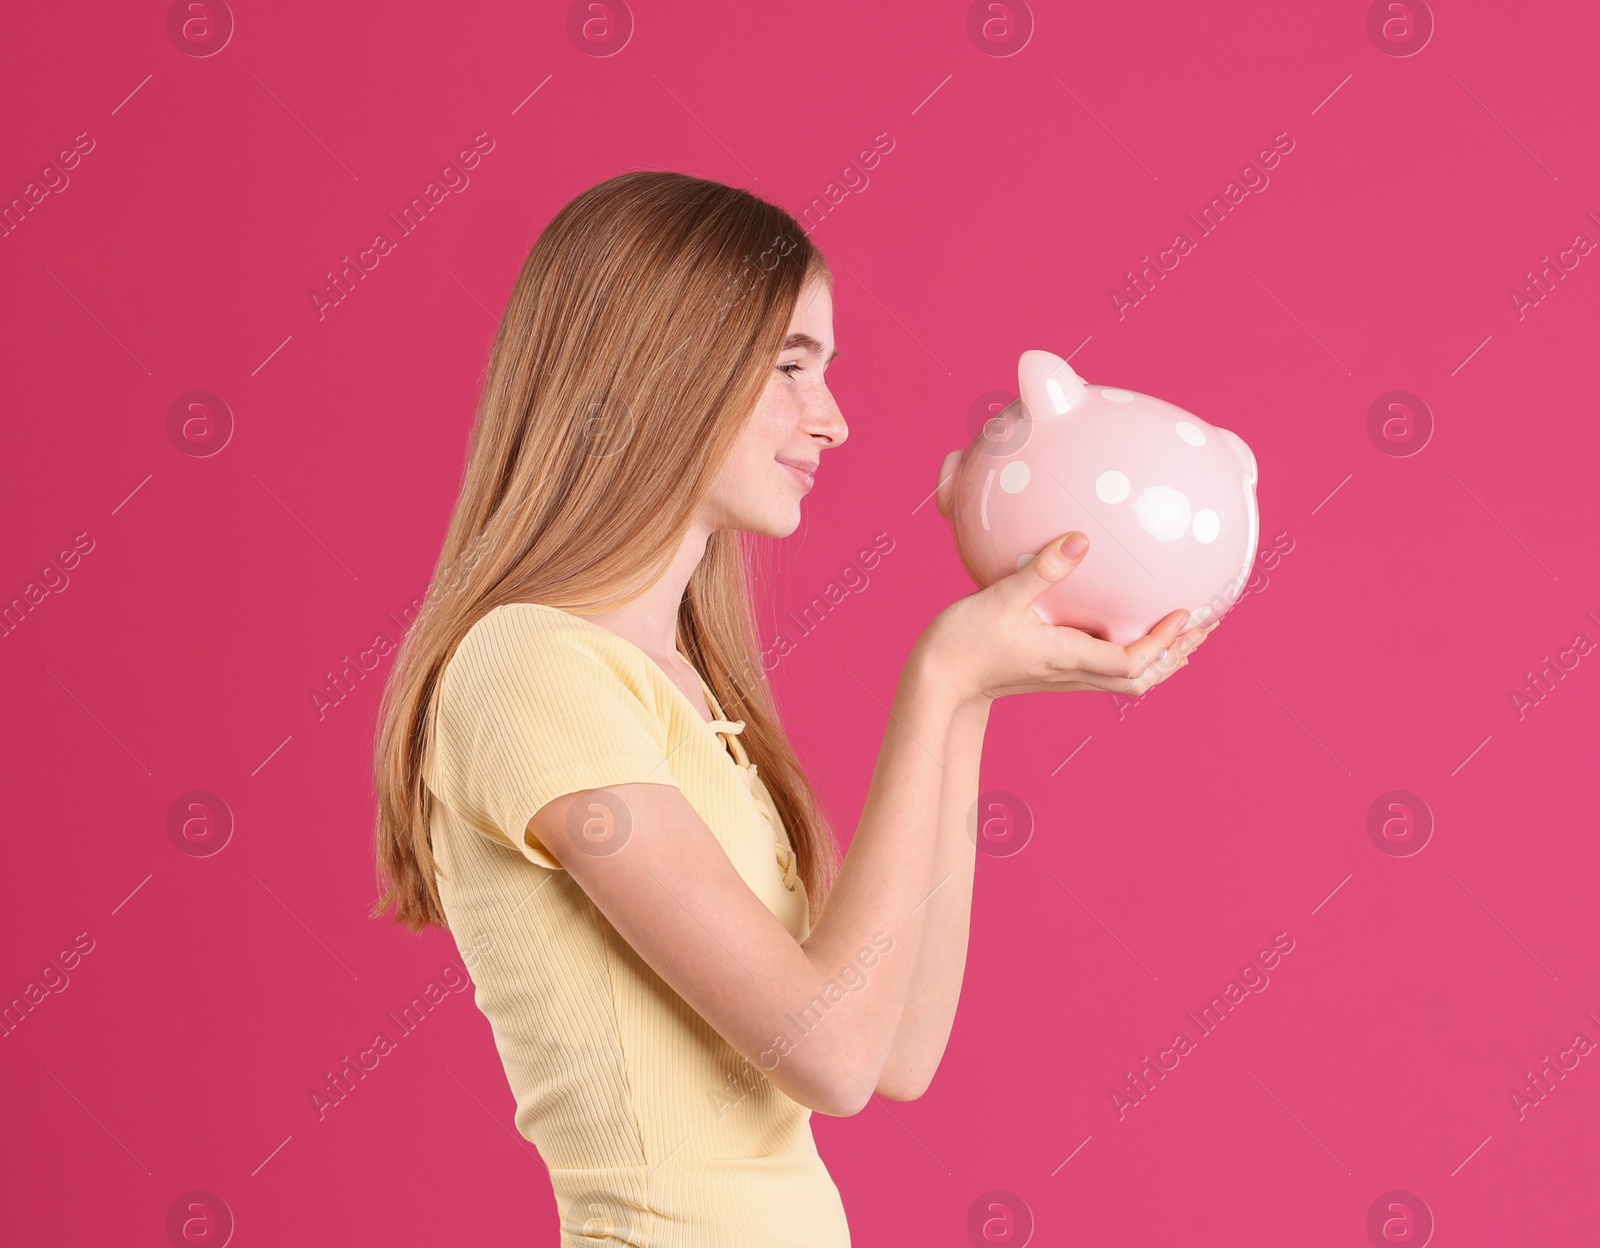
1167	501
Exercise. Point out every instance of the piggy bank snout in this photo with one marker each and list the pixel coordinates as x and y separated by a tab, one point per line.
946	492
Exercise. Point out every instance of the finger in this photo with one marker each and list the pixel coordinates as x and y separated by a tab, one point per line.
1191	638
1140	673
1124	667
1196	639
1157	644
1180	652
1171	627
1051	565
1160	670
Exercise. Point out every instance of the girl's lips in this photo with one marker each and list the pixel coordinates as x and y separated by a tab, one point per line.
805	478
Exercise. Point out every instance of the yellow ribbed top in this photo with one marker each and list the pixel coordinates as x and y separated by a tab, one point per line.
655	1130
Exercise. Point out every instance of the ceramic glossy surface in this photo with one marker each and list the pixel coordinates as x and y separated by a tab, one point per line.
1168	502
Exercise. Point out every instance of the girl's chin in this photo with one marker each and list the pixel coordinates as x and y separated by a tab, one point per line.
776	524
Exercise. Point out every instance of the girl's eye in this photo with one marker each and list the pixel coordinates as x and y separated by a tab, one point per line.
782	368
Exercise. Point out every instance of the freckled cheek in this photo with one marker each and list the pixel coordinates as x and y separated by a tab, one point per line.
778	422
772	427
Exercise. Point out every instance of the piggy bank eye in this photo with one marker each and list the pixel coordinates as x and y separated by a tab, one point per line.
1006	432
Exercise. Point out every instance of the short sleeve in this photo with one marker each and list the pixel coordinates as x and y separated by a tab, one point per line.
534	705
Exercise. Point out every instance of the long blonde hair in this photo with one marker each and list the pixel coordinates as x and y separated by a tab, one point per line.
635	344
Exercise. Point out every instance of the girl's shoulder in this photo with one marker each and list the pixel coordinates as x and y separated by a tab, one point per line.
519	645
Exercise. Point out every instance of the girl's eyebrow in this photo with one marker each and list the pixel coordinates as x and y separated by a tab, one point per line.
807	343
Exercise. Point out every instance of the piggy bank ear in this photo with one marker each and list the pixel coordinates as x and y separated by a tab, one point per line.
945	495
1242	451
1049	386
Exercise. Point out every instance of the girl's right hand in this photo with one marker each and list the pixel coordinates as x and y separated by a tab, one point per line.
993	642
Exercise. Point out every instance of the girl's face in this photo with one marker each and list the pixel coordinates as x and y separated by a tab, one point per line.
774	463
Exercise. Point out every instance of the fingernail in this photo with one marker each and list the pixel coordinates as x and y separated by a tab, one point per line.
1074	545
1184	622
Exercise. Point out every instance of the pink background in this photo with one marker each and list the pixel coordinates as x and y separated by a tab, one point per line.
1379	654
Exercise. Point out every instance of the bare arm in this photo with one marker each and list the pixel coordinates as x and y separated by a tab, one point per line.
941	956
930	1007
821	1017
817	1017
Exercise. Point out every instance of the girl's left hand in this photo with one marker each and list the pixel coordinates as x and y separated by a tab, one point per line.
1176	655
